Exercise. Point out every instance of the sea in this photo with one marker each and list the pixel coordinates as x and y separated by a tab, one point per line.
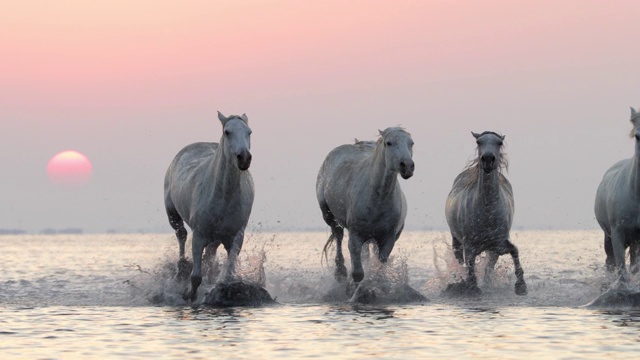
117	296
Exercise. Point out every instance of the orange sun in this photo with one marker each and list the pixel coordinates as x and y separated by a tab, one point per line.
69	168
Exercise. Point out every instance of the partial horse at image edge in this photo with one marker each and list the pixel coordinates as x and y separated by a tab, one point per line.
617	209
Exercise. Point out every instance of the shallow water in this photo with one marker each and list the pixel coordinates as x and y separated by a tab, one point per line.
115	296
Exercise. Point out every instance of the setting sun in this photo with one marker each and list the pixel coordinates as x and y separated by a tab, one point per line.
69	168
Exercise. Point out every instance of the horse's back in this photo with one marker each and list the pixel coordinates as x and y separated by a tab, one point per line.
341	162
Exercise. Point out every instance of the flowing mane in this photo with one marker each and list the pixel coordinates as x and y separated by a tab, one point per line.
472	171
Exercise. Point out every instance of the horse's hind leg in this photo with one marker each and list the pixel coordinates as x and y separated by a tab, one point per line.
521	286
184	268
337	233
341	270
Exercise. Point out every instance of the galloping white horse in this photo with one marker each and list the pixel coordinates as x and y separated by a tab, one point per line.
358	189
479	212
209	187
617	208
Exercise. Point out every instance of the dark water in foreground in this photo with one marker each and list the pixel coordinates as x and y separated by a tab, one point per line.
112	296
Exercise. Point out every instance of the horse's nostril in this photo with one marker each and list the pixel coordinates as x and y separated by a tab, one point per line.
403	164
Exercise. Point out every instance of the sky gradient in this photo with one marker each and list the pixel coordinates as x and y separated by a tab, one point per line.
130	83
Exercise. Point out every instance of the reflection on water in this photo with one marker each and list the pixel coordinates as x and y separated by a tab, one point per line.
626	319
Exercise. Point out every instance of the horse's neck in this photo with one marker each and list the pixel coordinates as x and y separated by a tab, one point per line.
382	180
224	174
488	186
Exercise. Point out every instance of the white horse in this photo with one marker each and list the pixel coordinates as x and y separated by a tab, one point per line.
358	189
617	208
209	187
479	211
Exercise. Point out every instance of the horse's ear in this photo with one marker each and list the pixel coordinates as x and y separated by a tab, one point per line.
381	132
222	118
245	118
475	135
502	137
633	112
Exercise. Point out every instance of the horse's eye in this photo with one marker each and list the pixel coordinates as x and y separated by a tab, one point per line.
637	137
226	132
389	143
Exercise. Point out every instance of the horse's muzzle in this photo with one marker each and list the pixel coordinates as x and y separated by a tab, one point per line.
406	169
244	160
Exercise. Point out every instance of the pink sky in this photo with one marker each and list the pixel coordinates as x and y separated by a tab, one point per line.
96	53
129	83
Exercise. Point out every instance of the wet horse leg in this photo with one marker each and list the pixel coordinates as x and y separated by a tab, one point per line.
210	261
341	270
355	249
184	268
197	247
608	250
617	242
337	232
471	283
233	250
521	286
470	262
489	269
456	245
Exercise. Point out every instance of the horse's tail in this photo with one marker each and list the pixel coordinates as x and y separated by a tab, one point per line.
327	246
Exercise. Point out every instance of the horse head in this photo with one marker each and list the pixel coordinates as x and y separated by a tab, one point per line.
489	150
236	139
398	150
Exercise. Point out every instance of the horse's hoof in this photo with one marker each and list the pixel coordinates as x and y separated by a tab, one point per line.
189	295
521	288
184	269
462	289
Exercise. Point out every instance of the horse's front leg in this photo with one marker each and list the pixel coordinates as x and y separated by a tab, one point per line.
197	246
470	262
210	261
521	286
617	242
355	249
610	262
489	269
233	250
